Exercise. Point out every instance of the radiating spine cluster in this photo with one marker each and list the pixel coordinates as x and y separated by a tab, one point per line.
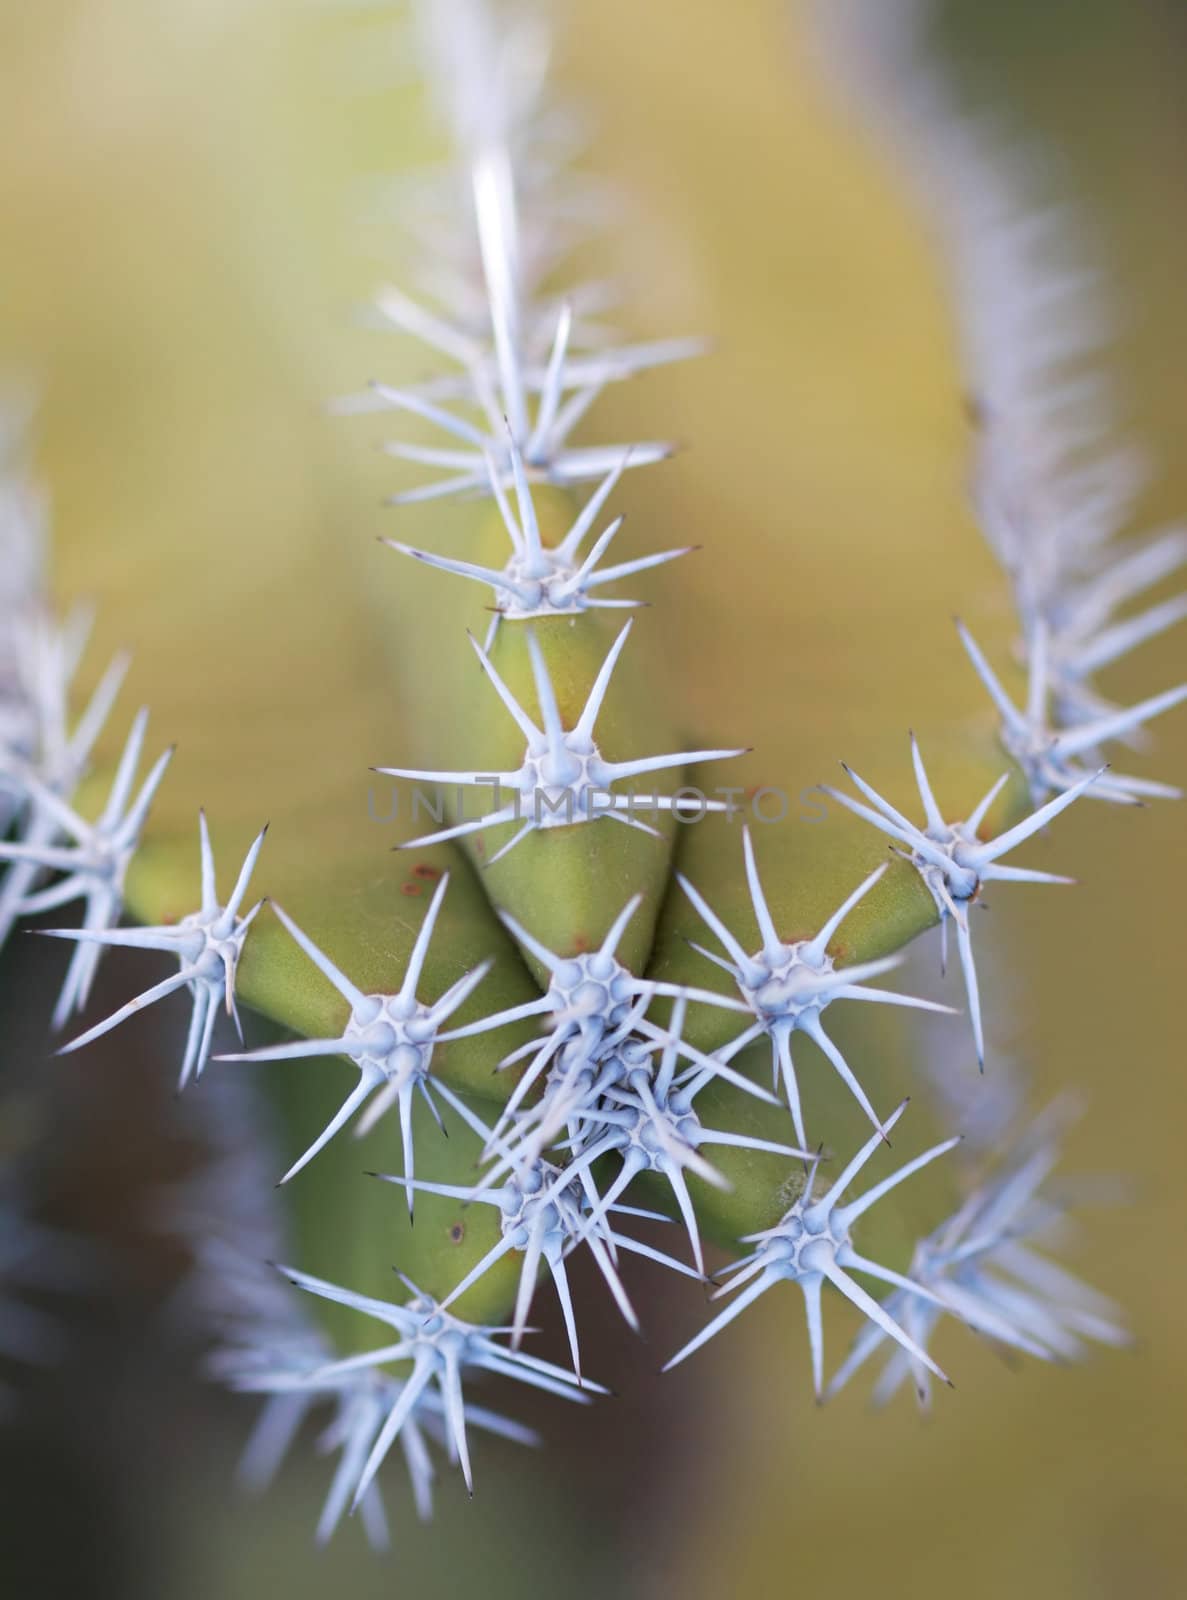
564	778
811	1245
43	758
497	227
955	862
786	987
541	580
207	943
1053	490
984	1267
266	1344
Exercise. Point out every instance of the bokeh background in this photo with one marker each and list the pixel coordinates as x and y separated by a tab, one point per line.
185	187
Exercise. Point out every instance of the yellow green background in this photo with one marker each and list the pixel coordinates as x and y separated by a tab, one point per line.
181	185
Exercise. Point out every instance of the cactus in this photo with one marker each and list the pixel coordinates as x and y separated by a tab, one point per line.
611	999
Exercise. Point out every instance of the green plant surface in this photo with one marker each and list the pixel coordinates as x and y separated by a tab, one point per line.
287	653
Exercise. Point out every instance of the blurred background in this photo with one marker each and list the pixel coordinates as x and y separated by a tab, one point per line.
188	189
